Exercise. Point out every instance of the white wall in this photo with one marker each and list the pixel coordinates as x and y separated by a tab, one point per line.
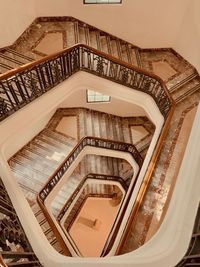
146	23
187	42
15	17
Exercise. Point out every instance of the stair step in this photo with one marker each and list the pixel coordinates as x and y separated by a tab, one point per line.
48	138
16	57
4	67
120	129
144	143
93	38
126	171
51	146
9	59
134	54
181	79
14	254
44	150
35	155
138	57
110	134
126	131
109	44
89	124
87	36
34	158
24	263
119	49
30	162
124	50
29	170
6	63
186	90
98	38
102	125
104	45
114	48
95	124
45	226
70	34
63	139
76	32
82	37
20	55
28	182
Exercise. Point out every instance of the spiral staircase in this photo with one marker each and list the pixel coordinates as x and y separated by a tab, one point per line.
29	70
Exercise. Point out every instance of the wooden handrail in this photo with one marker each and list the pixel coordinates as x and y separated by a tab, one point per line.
45	59
89	176
145	183
18	70
87	141
57	175
21	86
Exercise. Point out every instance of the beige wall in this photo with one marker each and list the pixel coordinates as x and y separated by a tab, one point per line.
146	23
15	17
188	39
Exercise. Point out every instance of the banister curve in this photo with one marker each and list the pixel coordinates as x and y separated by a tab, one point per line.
58	174
18	96
21	86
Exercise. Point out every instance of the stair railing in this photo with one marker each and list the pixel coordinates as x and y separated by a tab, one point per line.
86	141
14	245
76	207
77	190
21	86
61	170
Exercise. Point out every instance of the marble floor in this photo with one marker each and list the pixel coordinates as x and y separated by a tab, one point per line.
181	79
81	231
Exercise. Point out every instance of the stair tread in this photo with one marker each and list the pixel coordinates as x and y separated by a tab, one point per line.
64	139
24	263
187	89
181	79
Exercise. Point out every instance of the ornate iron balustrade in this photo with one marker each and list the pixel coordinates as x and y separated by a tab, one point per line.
105	66
87	141
15	248
21	86
77	190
